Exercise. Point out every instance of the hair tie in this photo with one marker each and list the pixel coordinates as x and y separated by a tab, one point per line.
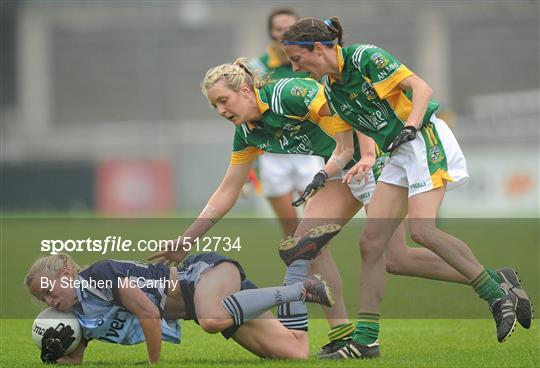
329	23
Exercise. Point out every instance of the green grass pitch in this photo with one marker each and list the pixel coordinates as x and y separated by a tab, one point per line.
426	323
404	343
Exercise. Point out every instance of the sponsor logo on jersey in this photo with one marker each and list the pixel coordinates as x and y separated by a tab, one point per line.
379	60
369	91
390	68
298	91
353	96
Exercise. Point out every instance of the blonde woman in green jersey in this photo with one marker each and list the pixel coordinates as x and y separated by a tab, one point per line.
285	117
286	122
380	97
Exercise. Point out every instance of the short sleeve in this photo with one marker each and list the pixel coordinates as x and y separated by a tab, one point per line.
243	152
333	124
384	71
296	98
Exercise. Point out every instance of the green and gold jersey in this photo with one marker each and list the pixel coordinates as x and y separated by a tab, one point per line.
270	64
290	123
368	95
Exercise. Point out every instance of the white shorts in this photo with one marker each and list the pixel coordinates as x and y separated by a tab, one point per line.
284	173
428	161
363	191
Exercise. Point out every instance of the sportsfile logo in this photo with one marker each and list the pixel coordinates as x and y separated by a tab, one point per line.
118	243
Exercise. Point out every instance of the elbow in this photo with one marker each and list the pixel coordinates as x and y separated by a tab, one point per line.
428	90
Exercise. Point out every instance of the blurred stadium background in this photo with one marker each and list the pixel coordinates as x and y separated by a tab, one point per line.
101	110
101	114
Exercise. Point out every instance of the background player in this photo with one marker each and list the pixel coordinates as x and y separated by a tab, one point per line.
283	176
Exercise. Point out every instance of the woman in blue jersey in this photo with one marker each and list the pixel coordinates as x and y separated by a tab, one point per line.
383	99
128	302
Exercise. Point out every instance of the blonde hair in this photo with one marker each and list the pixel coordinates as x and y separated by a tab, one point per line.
234	75
52	263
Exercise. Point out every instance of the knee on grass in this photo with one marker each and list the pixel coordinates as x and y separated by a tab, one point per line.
292	352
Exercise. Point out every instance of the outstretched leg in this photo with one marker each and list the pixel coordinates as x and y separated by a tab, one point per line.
418	262
333	204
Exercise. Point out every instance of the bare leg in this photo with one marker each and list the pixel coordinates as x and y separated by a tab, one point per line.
423	209
268	338
215	285
285	212
387	210
418	262
264	336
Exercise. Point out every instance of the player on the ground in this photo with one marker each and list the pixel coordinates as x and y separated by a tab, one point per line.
209	288
283	176
380	97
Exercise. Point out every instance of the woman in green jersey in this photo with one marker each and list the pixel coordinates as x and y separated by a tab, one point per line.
380	97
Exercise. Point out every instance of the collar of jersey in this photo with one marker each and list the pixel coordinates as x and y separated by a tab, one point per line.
262	105
81	294
340	62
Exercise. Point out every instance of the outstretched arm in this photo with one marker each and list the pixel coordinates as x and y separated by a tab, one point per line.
221	201
218	205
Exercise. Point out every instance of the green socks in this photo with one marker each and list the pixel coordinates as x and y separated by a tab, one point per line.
367	328
486	287
341	332
494	275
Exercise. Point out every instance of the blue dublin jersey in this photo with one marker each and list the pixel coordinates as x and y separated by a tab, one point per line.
100	311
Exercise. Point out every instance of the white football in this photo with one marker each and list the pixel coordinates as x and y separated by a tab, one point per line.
51	317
